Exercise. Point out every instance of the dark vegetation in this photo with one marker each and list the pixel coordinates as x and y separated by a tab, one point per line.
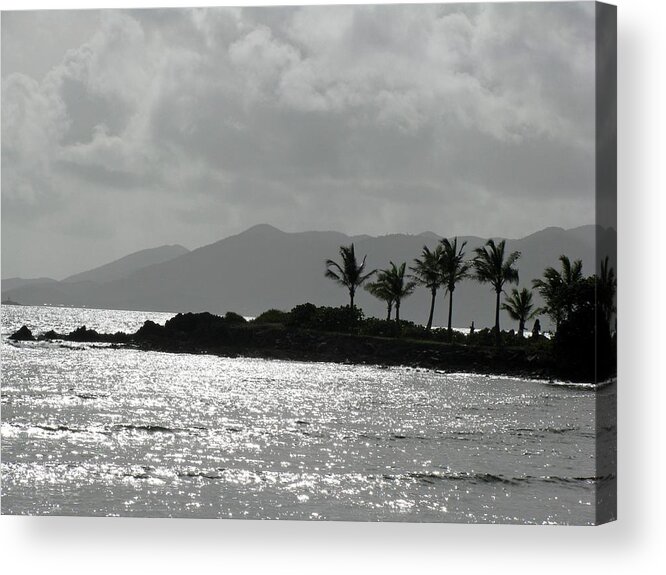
582	309
332	334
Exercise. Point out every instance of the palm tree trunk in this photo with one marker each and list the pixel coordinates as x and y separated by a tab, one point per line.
389	307
397	311
450	314
432	308
351	298
497	321
521	328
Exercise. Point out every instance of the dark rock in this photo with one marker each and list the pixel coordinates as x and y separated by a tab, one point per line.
198	327
83	334
23	334
50	335
149	330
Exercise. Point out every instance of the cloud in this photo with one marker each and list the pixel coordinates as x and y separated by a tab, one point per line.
191	124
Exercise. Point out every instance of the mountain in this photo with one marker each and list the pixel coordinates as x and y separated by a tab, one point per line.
123	267
49	290
14	283
264	268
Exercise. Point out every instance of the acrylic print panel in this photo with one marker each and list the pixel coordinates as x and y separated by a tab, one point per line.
332	263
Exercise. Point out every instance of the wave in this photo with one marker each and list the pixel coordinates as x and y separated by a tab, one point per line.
212	475
146	428
90	396
65	428
14	429
581	386
555	430
473	477
105	430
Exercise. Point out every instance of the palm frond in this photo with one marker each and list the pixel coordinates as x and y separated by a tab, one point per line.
492	266
453	266
349	272
557	287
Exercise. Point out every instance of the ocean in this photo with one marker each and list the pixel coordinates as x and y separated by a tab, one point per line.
94	431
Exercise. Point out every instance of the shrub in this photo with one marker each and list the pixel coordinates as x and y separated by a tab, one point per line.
413	330
583	345
233	317
483	336
379	327
197	325
344	319
442	334
512	339
272	316
303	315
539	344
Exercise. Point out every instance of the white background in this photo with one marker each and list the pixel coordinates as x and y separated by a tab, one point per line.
632	544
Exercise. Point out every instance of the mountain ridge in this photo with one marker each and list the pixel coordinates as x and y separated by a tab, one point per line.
264	267
125	265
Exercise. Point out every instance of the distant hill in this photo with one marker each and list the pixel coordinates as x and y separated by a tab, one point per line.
264	268
14	283
123	267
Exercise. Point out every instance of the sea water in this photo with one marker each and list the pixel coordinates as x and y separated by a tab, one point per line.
92	430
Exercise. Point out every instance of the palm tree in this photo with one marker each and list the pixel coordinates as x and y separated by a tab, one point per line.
399	286
381	289
350	273
557	288
492	266
453	268
427	273
520	308
606	289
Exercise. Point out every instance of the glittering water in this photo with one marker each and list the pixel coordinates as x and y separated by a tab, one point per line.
89	430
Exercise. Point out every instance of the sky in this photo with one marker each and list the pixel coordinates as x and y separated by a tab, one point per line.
123	130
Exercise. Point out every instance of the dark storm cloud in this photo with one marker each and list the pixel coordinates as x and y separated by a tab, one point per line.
189	125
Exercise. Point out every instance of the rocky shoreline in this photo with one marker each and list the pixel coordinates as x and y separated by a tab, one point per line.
206	333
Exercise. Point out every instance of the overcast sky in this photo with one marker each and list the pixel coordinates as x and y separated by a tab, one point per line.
127	130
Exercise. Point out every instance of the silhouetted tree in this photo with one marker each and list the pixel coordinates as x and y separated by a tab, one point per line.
606	290
381	289
453	268
493	266
427	272
400	287
557	288
583	346
349	273
520	308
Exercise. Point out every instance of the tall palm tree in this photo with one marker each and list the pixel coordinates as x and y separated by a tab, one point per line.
606	289
381	289
557	288
400	287
350	273
520	308
453	268
427	272
493	266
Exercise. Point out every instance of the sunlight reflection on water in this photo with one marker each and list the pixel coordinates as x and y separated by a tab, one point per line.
98	431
